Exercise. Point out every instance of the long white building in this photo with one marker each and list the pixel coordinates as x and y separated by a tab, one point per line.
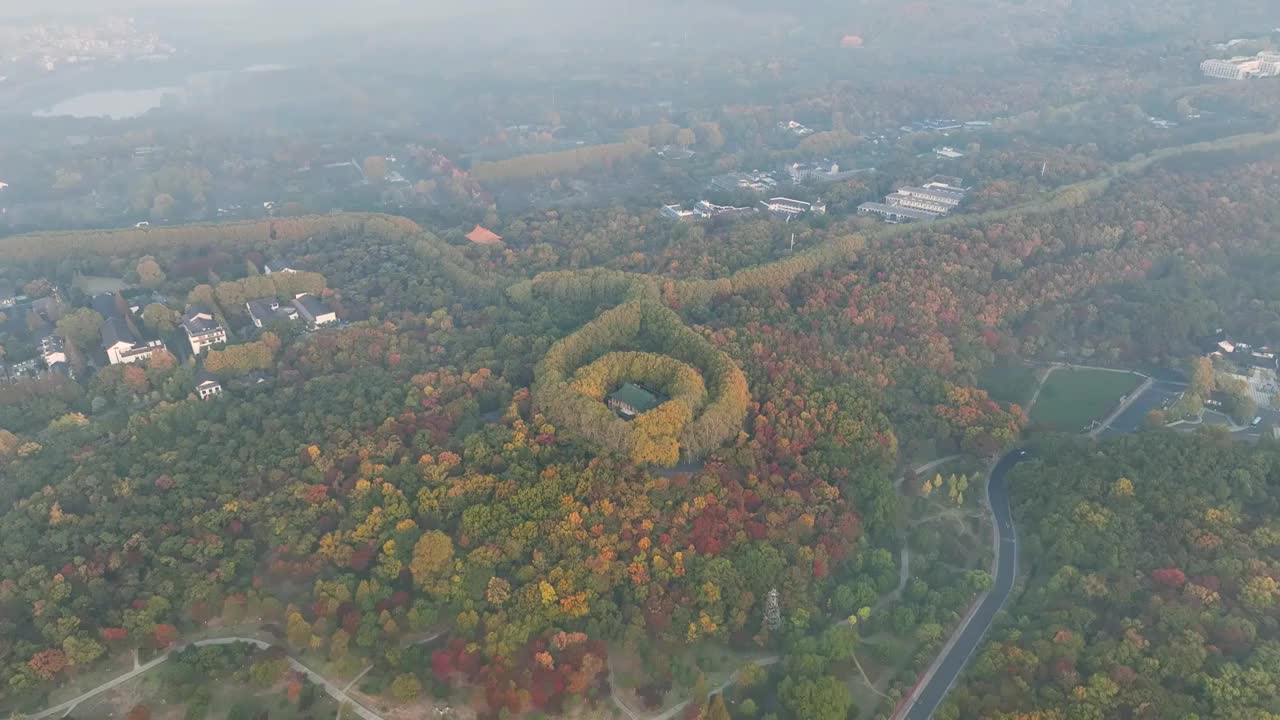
1264	64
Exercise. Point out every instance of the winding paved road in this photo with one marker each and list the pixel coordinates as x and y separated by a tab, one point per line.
942	674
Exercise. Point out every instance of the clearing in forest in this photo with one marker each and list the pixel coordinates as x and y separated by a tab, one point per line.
1071	398
1009	381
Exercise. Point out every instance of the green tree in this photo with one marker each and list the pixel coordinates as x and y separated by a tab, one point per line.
825	698
82	327
406	688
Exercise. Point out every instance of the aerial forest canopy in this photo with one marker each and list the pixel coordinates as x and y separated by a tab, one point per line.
443	459
1151	585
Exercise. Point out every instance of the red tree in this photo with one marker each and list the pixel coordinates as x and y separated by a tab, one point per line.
164	634
47	663
1171	577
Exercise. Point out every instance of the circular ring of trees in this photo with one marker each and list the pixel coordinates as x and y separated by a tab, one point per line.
646	343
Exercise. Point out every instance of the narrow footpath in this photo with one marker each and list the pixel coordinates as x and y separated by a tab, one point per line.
337	693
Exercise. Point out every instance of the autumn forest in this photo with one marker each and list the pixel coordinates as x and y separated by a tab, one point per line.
434	490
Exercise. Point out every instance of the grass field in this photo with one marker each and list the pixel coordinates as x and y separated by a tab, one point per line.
1009	382
1071	399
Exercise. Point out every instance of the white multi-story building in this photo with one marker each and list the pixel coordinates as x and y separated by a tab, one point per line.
1264	64
1222	69
934	199
937	193
788	208
202	329
895	213
916	202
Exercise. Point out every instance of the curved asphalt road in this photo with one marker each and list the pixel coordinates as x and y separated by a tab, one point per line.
946	668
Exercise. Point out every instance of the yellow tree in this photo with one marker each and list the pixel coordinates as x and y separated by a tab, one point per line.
149	272
1202	377
432	562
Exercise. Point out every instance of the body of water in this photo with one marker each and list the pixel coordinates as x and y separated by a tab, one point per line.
122	104
114	104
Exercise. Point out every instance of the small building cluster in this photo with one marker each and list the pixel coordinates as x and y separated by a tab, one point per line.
795	128
929	201
123	335
704	210
1257	366
310	308
1243	355
941	125
9	297
21	316
824	172
1264	64
755	181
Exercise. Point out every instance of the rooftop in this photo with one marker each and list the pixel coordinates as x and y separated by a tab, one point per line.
115	331
199	320
898	210
262	308
313	305
636	397
949	193
484	236
105	304
204	377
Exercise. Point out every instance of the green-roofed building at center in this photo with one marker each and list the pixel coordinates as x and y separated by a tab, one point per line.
631	400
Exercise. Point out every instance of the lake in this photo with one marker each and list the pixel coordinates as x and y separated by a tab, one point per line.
114	104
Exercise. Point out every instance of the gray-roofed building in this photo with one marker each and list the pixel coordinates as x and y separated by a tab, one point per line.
105	304
934	199
207	385
267	310
122	346
631	400
313	310
914	201
202	329
278	265
937	193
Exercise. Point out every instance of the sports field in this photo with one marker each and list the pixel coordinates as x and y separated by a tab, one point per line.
1071	399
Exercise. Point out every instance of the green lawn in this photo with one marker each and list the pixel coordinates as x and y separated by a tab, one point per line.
1008	381
1071	399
